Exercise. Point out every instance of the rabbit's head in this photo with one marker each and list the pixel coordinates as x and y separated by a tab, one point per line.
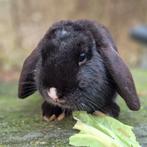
76	65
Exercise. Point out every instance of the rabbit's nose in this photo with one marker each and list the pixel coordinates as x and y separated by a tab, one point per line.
52	93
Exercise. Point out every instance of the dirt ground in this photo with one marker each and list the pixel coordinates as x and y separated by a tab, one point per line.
21	124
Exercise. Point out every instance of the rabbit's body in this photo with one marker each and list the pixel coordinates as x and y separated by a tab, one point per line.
72	70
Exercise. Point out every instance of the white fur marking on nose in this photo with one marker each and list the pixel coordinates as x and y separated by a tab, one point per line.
52	92
63	32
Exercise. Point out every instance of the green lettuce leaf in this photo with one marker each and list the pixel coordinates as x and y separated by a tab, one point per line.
101	131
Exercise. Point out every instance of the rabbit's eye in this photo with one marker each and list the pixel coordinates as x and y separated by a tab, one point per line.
82	58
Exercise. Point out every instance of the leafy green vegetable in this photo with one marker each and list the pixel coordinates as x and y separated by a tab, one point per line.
101	131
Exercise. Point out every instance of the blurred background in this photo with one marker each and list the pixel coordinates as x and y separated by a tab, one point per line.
24	22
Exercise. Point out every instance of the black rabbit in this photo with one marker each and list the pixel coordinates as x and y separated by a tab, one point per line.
76	66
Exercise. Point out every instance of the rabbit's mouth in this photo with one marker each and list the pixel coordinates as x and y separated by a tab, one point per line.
50	95
53	96
76	100
57	102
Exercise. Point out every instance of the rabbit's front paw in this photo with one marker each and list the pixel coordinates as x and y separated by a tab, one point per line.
112	110
51	112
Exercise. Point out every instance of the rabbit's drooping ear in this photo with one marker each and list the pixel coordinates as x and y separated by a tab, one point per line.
115	65
26	81
118	70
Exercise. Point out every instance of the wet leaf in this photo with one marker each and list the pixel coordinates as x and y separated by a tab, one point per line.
102	131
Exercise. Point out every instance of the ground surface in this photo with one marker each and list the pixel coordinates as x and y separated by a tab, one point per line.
21	124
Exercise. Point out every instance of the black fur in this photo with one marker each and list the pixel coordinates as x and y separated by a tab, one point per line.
49	109
87	87
90	85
